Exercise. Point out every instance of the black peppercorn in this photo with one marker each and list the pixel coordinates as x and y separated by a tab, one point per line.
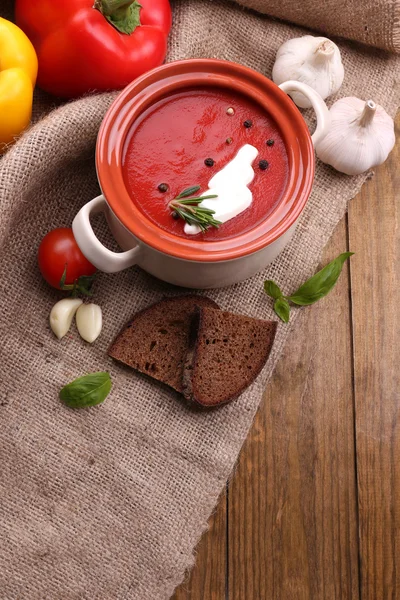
209	162
270	142
263	164
175	215
248	123
163	187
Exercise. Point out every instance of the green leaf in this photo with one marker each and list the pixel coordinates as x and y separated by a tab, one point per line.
321	283
88	390
189	191
272	289
195	200
282	309
125	19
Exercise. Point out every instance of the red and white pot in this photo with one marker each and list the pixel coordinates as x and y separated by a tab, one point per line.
188	262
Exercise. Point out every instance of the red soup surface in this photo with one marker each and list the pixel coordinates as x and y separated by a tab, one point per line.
170	141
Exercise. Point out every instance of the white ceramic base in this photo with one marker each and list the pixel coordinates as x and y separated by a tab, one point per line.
191	274
185	273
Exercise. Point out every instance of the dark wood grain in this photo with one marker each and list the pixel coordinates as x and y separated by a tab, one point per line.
297	526
374	233
208	576
292	503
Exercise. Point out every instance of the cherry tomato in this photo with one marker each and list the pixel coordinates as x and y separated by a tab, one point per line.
58	250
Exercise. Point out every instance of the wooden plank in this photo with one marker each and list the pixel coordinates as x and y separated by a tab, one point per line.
374	234
292	504
207	579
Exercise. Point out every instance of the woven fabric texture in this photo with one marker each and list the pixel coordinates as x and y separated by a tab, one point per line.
367	21
109	503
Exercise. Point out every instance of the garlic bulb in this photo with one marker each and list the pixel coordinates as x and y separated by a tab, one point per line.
312	60
89	322
361	136
62	314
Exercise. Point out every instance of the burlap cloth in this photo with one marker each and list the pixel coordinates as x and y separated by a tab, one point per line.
373	22
108	503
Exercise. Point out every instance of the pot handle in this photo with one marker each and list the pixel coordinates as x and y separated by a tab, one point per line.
100	256
319	106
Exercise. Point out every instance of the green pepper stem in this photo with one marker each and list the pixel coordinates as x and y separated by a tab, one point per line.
113	8
124	15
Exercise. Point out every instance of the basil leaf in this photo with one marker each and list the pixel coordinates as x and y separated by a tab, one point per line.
282	309
272	290
88	390
321	283
189	191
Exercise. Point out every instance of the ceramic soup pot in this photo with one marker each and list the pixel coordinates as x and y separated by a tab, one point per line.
214	258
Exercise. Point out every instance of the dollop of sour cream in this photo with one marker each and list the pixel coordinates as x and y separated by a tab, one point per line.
230	185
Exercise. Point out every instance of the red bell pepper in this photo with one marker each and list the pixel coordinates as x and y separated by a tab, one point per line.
83	47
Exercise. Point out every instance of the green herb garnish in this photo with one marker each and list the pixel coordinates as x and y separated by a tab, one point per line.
282	309
311	291
88	390
189	209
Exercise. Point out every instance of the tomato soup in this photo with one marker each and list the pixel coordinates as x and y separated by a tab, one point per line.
187	138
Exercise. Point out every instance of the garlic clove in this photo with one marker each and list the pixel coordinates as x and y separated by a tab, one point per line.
61	315
89	321
360	137
312	60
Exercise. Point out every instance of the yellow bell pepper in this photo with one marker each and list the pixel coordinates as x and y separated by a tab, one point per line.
18	71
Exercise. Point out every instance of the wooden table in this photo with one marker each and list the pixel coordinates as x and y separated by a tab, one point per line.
313	509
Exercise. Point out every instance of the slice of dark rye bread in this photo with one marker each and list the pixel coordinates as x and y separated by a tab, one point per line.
227	352
156	340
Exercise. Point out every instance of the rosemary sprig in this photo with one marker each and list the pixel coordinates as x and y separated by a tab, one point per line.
189	209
